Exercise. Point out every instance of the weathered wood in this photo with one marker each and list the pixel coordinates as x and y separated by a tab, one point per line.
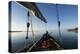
52	45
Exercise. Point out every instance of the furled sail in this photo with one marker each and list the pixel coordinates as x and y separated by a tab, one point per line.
34	8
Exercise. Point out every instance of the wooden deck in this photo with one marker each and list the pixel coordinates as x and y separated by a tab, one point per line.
44	44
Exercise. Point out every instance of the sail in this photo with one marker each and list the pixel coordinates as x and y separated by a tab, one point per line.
34	8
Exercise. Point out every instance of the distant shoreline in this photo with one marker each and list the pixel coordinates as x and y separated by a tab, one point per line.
21	31
74	29
16	31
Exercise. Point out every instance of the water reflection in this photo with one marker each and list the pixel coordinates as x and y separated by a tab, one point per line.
70	39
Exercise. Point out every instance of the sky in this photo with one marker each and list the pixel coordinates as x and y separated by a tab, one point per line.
68	16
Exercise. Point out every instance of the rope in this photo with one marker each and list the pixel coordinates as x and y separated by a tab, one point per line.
31	47
28	25
33	36
58	24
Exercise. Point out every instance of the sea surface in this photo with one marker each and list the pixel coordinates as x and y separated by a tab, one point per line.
69	39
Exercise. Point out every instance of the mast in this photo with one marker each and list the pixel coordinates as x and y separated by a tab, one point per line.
59	24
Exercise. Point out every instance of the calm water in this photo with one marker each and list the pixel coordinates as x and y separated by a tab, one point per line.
70	39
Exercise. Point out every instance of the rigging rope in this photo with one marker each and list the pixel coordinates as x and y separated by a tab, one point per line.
33	36
28	24
57	14
29	14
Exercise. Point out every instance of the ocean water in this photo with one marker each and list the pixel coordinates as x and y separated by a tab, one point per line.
18	39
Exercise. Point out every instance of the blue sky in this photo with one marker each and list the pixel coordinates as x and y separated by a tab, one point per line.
67	15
